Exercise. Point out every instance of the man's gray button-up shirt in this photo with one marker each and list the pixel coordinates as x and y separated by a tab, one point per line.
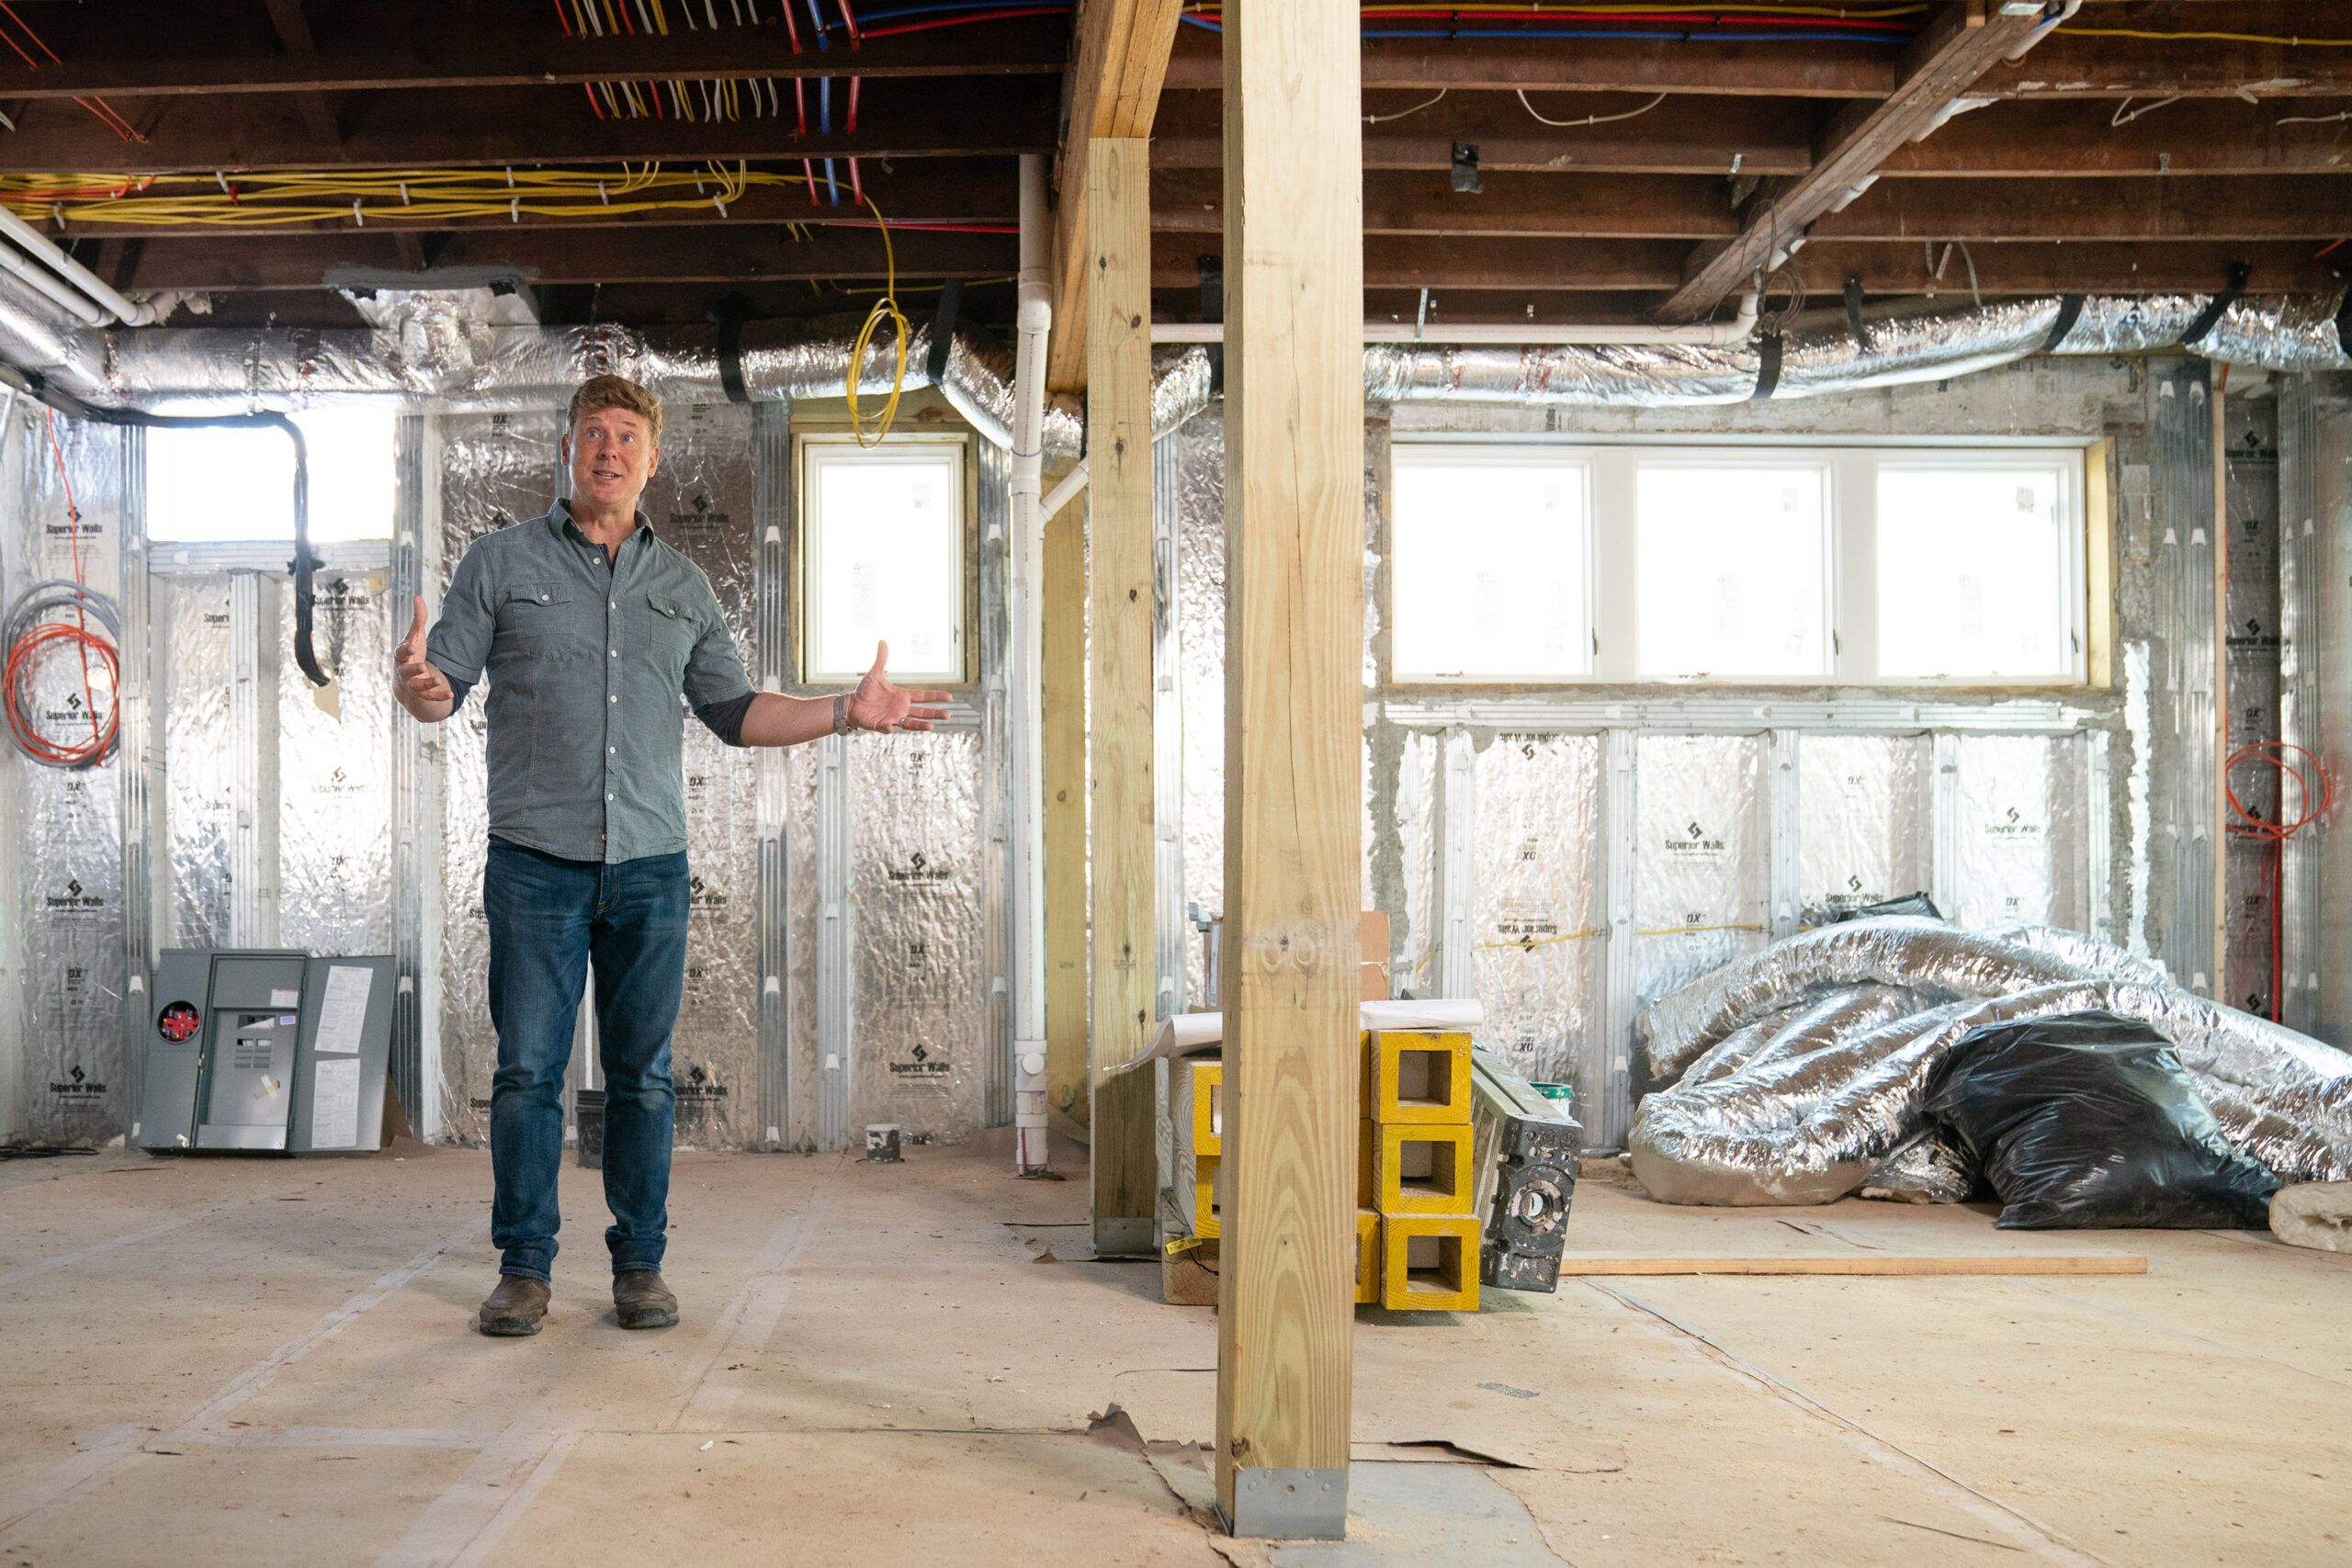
587	657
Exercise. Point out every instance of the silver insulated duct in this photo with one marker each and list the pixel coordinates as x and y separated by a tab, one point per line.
439	349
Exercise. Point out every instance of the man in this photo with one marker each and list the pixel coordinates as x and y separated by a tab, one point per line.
590	630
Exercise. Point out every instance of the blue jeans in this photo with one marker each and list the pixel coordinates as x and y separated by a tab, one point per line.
551	920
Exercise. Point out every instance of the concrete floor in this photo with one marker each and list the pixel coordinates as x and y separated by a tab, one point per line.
254	1362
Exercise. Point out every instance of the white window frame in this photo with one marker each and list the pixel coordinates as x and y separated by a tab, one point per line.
816	450
1850	596
1476	454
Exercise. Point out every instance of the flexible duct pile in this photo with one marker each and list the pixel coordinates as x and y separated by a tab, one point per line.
1798	1072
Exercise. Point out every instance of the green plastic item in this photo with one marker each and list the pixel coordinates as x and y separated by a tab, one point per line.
1555	1090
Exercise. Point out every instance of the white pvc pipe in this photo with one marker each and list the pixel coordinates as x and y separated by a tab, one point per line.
1024	671
34	275
74	272
1700	334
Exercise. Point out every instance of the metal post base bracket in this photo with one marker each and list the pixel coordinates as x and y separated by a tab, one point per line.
1289	1504
1124	1238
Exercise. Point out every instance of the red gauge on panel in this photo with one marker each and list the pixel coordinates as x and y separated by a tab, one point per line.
179	1021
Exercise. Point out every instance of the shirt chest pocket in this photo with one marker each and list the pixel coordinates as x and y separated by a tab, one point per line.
539	618
670	628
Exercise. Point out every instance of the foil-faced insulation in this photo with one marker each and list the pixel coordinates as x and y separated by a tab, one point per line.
1198	473
335	841
1538	933
1863	822
2017	837
920	967
2251	651
1415	816
75	1087
1820	1120
191	642
1701	881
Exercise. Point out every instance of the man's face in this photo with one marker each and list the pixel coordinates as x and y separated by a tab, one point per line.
611	455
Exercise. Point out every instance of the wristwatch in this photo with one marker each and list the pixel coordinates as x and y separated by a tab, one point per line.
841	714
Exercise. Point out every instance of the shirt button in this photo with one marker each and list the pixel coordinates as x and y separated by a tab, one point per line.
608	797
543	598
612	750
615	652
613	699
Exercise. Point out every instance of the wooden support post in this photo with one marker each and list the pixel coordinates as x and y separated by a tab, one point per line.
1294	486
1118	412
1063	661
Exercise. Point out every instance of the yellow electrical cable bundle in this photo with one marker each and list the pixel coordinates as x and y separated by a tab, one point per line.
412	196
885	308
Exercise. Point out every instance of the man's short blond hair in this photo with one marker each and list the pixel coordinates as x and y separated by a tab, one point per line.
615	392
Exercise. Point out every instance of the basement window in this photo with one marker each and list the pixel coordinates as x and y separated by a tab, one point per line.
1732	560
1977	575
883	547
229	486
1915	562
1490	553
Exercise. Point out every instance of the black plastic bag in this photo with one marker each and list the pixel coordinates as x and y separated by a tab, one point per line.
2084	1119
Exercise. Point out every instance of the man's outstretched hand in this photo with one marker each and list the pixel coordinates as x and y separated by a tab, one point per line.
415	680
878	706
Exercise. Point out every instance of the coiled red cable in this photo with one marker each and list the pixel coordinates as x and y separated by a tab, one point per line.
45	638
2314	796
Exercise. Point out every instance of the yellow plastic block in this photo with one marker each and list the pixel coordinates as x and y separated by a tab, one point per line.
1417	1077
1429	1263
1193	1088
1367	1255
1367	1143
1196	1198
1421	1170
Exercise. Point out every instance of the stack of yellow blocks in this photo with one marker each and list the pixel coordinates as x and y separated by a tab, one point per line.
1194	1085
1417	1233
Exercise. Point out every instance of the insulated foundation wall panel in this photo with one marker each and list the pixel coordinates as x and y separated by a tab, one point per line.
2250	456
335	842
64	1006
920	970
1196	469
2186	792
1537	957
1414	819
2315	455
2016	834
1701	883
1863	821
190	644
2329	729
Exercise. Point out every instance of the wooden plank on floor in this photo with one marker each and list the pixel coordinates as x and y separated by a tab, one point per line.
1119	688
1882	1264
1293	426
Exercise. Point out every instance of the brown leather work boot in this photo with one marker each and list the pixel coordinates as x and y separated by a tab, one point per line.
641	1301
513	1310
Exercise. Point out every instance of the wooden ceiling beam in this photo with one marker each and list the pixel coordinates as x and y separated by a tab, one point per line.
1588	65
1959	43
2060	140
294	32
712	255
517	127
1526	267
2180	206
2022	267
1759	136
1398	201
413	56
1120	59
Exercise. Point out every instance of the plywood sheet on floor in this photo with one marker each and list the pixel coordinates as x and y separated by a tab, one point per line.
891	1352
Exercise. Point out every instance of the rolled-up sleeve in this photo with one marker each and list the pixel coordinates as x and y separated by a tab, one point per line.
459	644
714	668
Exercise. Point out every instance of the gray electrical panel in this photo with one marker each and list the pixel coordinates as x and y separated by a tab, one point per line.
266	1050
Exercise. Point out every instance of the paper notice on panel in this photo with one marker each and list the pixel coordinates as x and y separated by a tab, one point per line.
345	1007
334	1103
